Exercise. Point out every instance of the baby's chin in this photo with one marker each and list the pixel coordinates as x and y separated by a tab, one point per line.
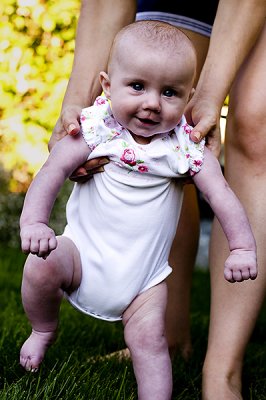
141	139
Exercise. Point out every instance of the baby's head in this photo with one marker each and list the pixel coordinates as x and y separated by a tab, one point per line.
151	70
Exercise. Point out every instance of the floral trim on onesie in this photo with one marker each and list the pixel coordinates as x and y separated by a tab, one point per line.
99	126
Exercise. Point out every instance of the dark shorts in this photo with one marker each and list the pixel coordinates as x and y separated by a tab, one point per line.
197	16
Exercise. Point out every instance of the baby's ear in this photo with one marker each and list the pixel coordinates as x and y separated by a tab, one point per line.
105	83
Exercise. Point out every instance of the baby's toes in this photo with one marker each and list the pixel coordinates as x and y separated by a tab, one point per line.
30	363
28	359
33	350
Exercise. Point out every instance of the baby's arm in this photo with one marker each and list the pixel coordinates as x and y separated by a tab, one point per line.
65	157
242	261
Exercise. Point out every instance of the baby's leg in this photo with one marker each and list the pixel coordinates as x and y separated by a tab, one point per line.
43	285
144	323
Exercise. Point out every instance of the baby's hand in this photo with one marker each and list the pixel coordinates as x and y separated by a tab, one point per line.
38	239
241	265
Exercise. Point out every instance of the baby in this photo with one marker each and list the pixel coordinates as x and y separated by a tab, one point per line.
112	259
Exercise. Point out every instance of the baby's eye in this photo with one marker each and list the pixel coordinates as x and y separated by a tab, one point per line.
169	92
137	86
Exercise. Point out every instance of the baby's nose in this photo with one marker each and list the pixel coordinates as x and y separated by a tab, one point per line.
152	102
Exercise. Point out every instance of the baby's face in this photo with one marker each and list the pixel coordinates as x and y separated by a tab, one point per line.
149	90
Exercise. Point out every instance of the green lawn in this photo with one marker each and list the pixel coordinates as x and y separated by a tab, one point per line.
72	368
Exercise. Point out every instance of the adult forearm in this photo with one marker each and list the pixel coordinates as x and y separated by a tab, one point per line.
236	28
99	22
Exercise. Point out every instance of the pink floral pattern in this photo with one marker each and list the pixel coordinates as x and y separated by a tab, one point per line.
143	168
177	156
100	100
187	128
197	163
128	157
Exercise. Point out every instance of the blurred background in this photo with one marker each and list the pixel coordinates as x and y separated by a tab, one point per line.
36	53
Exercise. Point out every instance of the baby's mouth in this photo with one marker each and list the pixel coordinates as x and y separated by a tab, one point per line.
147	121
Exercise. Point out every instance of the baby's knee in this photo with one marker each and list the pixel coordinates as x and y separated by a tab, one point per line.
145	337
37	270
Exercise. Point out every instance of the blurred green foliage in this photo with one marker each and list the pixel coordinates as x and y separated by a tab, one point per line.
11	205
37	39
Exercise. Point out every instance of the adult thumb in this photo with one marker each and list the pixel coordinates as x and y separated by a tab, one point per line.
73	128
201	130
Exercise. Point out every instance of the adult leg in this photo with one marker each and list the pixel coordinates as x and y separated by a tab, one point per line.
43	285
144	330
235	307
184	249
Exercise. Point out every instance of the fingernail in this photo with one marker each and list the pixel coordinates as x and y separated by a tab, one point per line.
103	161
197	135
71	128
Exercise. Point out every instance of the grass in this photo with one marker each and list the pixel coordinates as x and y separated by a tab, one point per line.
73	369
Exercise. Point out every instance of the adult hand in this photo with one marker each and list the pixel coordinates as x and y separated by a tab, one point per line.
67	124
205	118
87	170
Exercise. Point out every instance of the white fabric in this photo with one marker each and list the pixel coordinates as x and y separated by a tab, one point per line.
123	221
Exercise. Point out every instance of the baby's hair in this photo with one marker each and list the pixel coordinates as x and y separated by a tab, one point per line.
159	31
155	33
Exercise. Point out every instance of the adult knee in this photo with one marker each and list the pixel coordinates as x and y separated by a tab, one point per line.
246	129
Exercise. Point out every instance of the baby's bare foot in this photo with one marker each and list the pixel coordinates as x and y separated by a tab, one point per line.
33	350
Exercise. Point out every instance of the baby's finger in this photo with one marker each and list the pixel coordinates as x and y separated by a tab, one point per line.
228	275
43	247
46	246
237	276
34	246
253	273
52	243
245	274
25	245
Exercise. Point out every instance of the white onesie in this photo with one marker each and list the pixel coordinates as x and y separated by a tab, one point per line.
123	221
